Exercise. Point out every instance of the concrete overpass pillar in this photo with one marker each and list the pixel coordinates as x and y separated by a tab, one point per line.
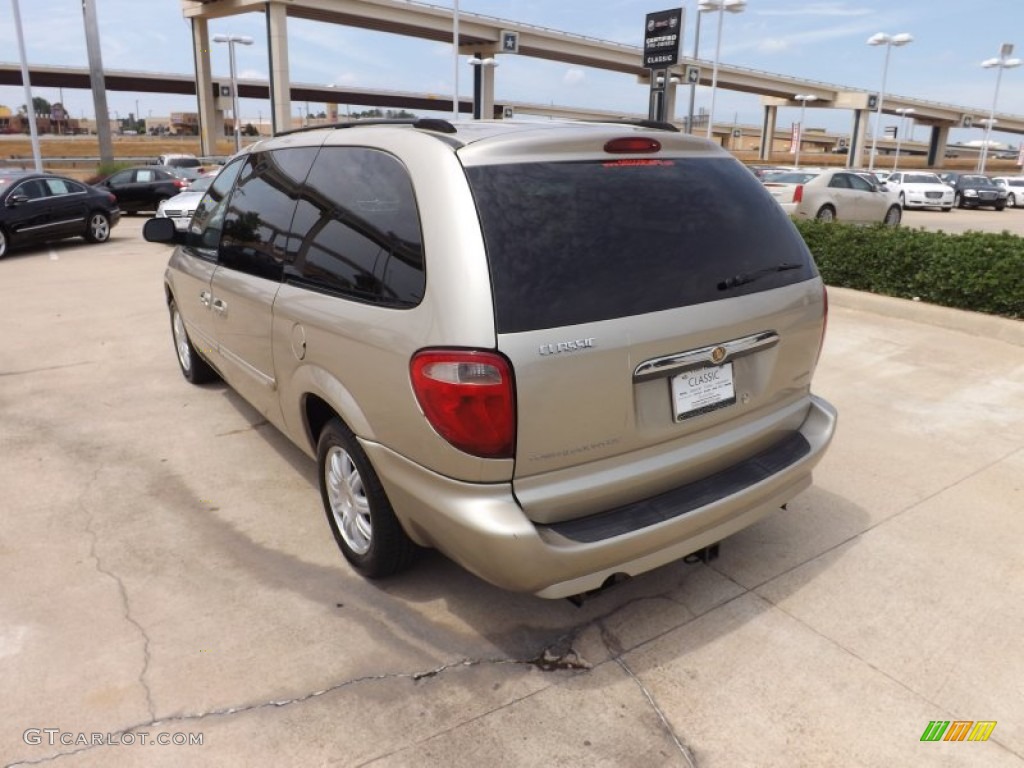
280	80
771	117
937	146
670	98
208	133
858	137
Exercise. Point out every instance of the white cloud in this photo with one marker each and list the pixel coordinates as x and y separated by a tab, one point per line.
574	76
819	9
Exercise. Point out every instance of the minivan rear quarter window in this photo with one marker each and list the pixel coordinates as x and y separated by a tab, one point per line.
562	238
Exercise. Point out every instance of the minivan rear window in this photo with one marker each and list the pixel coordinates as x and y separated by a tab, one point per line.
578	242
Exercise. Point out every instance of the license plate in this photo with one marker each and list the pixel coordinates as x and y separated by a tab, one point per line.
702	390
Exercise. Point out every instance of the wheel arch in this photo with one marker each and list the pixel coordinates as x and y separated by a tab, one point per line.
318	398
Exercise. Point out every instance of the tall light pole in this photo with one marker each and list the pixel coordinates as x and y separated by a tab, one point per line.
888	41
231	40
732	6
803	98
30	108
97	81
1003	61
903	112
455	56
693	86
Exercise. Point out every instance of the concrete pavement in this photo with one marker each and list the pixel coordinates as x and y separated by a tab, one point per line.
167	573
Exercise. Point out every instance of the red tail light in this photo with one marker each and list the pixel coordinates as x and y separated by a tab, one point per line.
113	199
468	398
798	193
180	183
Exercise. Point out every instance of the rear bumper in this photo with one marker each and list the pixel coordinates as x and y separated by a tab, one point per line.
482	527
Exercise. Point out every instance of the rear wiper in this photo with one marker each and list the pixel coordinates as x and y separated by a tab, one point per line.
748	277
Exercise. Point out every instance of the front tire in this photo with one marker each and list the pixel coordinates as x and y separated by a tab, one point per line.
98	229
359	513
903	202
958	200
193	367
1000	206
826	213
1011	200
4	244
893	216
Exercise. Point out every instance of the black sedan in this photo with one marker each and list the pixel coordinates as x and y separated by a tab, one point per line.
145	187
972	190
39	207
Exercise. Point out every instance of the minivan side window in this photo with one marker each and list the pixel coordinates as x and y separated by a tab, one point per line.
208	220
258	221
360	229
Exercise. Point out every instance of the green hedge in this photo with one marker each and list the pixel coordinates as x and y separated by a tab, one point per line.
978	271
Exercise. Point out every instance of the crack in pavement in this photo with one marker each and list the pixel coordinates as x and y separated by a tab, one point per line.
547	660
611	642
684	750
125	602
557	655
46	368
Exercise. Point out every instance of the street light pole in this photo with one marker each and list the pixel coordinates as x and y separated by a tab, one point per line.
903	112
693	86
1002	62
803	98
231	40
455	57
888	41
732	6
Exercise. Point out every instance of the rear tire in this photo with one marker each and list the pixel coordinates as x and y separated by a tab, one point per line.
958	200
826	213
947	209
193	367
1000	206
893	216
98	228
358	511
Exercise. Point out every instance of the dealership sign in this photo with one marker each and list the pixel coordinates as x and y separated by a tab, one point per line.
662	33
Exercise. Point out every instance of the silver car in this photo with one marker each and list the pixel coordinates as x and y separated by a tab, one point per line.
834	195
560	353
181	207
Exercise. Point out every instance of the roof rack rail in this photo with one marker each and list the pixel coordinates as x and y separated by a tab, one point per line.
658	125
426	123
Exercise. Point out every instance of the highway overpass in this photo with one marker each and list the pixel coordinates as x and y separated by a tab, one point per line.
480	35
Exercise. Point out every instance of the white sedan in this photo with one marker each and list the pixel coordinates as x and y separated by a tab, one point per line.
1014	186
181	207
920	189
834	195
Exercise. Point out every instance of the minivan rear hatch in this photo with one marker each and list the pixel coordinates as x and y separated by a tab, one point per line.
662	316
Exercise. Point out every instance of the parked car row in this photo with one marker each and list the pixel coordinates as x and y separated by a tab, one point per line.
45	207
814	192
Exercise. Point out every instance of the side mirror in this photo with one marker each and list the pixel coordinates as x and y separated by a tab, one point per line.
162	230
14	200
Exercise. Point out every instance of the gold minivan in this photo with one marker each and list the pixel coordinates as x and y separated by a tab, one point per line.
559	352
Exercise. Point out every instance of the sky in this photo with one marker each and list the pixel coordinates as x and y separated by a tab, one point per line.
824	40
